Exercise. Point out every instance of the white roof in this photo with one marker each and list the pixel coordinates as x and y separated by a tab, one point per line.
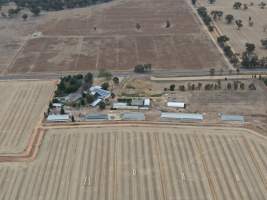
182	116
175	104
57	104
97	101
57	118
147	102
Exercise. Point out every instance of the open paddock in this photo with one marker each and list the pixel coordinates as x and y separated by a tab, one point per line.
22	107
105	36
247	34
141	163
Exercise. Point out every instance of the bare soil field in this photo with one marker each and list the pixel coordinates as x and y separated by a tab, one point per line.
141	163
22	106
70	42
247	34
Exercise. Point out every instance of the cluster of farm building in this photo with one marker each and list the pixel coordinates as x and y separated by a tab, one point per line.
104	104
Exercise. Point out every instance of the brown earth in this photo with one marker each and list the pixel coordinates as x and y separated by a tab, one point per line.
70	43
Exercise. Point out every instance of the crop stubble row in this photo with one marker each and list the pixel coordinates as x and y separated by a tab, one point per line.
139	164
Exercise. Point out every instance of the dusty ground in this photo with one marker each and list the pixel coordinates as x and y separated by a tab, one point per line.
246	34
22	107
141	163
70	43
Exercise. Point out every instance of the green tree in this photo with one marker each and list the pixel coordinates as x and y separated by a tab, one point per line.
102	105
88	78
116	80
239	24
24	16
229	18
62	111
212	71
35	11
172	87
105	86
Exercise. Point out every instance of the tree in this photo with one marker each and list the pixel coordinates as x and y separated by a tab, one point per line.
24	16
229	86
239	24
172	87
90	99
222	39
72	118
138	26
35	10
105	86
252	86
194	2
262	5
62	111
245	6
229	18
237	5
88	78
264	43
212	71
116	80
182	88
168	24
250	47
228	51
102	105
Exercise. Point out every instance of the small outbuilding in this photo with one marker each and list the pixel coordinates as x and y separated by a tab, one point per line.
147	102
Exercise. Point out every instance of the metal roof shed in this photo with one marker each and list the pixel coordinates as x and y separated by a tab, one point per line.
176	104
182	116
236	118
95	102
58	118
147	102
136	116
96	116
137	102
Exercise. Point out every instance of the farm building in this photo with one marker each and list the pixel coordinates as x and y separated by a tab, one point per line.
137	102
176	104
147	102
96	117
123	106
236	118
135	116
58	118
181	116
99	92
95	102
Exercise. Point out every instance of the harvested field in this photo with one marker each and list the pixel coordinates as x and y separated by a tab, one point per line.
141	163
22	106
70	42
247	34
